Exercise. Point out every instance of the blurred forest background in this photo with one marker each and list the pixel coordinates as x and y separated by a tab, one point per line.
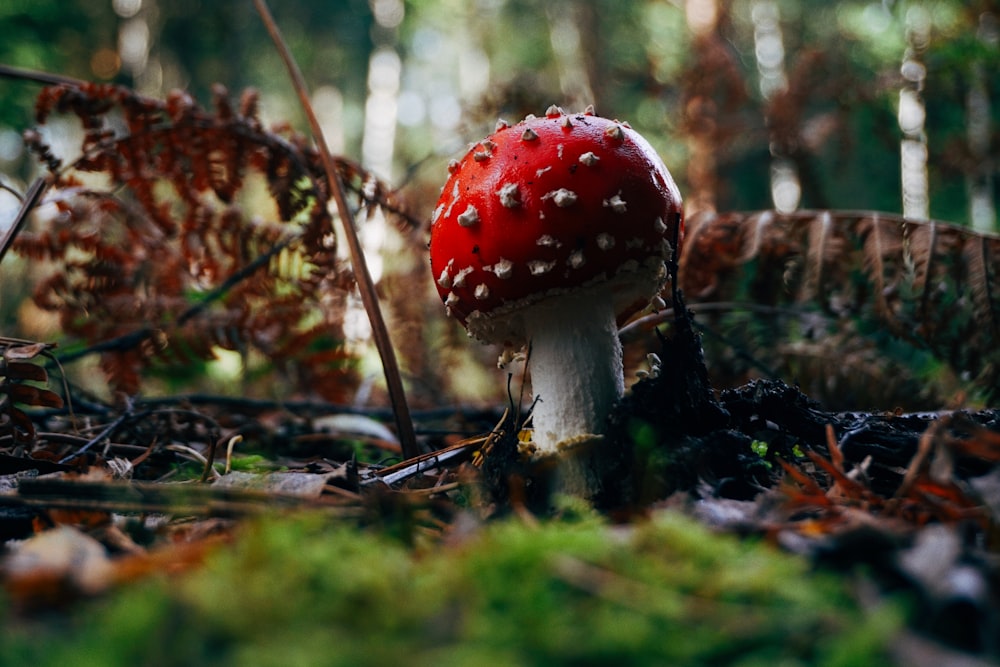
753	104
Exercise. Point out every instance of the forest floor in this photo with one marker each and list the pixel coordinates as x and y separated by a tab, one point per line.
754	528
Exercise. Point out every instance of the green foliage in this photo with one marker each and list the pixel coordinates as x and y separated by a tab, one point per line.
302	592
254	463
759	448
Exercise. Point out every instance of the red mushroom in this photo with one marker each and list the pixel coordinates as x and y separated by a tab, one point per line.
550	232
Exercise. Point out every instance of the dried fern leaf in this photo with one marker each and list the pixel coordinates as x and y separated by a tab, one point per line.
980	260
820	250
931	284
208	232
881	251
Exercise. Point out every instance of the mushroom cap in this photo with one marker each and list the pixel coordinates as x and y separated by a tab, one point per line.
551	205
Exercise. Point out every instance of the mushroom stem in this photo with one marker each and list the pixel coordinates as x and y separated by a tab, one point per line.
576	366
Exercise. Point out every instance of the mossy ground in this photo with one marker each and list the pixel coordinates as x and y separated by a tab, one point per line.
301	590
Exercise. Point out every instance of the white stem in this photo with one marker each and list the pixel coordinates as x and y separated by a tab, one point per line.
576	366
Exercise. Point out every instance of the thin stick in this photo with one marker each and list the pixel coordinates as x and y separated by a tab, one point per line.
34	76
31	198
366	287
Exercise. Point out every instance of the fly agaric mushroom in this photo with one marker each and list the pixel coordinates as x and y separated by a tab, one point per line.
549	233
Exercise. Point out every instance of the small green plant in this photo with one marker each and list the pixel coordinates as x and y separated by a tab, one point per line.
759	448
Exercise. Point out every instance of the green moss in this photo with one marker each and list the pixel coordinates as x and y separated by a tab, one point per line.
302	592
253	463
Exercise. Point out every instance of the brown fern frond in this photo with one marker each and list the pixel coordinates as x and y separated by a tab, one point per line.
755	233
719	242
823	251
929	283
984	281
882	246
919	248
178	254
19	380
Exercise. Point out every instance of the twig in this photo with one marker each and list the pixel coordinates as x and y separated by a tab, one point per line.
233	441
230	282
126	341
34	76
177	499
130	416
210	460
366	287
105	433
434	490
31	198
410	468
